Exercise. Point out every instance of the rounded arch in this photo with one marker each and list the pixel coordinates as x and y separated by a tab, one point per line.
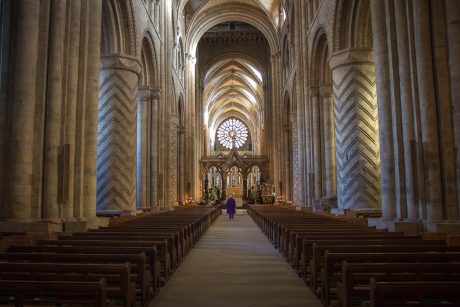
287	63
149	61
117	28
320	72
226	12
352	25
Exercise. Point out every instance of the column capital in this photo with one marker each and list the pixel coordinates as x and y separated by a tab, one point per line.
191	58
123	62
155	93
313	91
144	93
325	90
351	56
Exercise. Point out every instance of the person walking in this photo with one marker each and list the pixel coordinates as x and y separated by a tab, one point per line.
231	207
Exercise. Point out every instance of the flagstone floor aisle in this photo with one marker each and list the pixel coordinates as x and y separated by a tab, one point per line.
234	265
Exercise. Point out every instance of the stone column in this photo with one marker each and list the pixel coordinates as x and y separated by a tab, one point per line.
224	185
357	140
329	140
154	154
427	101
52	148
277	123
181	164
192	157
245	185
22	111
317	158
407	112
384	109
116	151
453	33
295	164
142	148
172	162
71	109
91	109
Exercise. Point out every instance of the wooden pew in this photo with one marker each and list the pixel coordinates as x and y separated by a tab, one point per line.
117	276
314	252
83	292
296	238
173	244
354	278
138	262
414	293
160	246
299	250
333	261
318	258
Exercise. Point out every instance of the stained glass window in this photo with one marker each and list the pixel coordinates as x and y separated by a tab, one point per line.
232	133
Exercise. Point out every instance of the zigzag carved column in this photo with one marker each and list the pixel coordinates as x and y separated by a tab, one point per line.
116	150
357	134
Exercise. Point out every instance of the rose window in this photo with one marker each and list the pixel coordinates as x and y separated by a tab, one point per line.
232	133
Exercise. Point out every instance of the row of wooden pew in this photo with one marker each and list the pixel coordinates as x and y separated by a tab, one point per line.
350	264
123	264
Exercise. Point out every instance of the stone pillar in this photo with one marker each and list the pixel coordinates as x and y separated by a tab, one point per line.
316	133
71	109
224	185
181	162
329	141
357	141
154	150
384	110
142	145
22	111
427	102
52	148
192	158
91	109
295	164
407	111
172	162
116	151
453	33
245	185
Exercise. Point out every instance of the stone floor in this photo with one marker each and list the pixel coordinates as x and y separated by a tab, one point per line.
235	265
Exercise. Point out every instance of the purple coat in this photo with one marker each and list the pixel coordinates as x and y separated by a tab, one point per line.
231	205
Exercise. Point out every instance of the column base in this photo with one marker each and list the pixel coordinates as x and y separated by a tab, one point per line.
443	227
75	226
32	226
115	213
408	227
357	212
96	222
416	226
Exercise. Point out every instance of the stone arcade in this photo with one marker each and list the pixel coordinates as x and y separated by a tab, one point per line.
119	117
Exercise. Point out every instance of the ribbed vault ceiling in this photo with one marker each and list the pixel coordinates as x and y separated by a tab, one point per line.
233	87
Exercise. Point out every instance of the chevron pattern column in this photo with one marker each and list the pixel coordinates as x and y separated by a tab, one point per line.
172	160
356	126
116	148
